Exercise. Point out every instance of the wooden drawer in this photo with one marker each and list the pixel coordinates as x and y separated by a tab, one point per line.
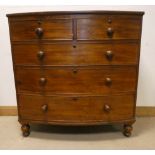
97	80
56	29
76	109
109	27
83	54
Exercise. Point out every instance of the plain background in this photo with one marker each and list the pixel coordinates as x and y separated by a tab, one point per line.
146	86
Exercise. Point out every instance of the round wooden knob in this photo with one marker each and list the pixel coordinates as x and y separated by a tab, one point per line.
42	81
39	32
108	81
110	32
40	55
44	108
109	55
107	108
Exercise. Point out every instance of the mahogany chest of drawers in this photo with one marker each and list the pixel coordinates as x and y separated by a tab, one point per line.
76	68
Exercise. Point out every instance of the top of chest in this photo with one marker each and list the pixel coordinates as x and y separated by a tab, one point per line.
86	25
77	13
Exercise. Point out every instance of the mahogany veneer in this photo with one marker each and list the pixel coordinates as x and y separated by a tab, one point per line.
76	68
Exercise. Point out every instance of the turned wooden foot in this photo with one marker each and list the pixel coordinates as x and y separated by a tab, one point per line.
127	129
25	129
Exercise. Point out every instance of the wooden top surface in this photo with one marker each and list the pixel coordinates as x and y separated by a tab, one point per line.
78	12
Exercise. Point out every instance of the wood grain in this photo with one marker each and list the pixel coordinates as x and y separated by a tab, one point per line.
77	109
82	54
77	80
54	29
124	27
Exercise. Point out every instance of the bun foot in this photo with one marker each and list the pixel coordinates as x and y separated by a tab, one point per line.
25	129
127	130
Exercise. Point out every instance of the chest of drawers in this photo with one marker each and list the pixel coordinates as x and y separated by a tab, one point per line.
76	68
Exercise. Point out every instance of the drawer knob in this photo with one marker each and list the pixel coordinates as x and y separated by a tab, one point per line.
109	55
39	32
41	55
107	108
108	81
110	32
44	108
42	81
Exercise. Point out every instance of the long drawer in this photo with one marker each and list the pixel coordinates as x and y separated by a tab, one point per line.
97	80
76	109
83	54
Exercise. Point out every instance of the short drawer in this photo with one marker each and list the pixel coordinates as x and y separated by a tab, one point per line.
109	27
82	54
77	109
56	29
88	80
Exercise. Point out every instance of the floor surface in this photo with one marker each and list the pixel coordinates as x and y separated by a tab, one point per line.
56	137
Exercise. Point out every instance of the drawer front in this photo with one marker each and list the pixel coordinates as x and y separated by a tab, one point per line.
77	109
83	54
113	27
57	29
77	80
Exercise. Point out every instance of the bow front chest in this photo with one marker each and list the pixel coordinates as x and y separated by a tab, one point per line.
76	68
